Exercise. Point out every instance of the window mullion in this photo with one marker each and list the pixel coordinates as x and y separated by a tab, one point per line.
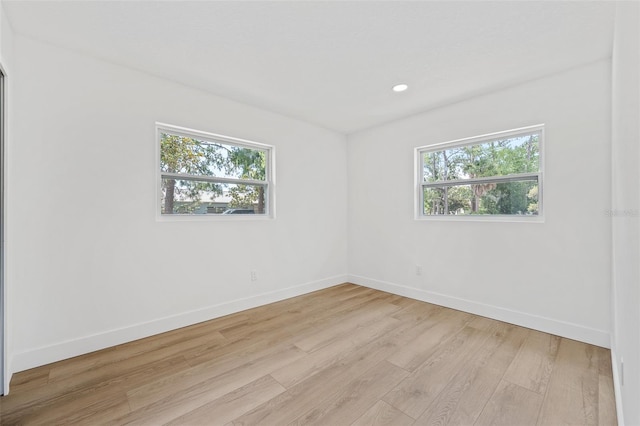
490	179
212	179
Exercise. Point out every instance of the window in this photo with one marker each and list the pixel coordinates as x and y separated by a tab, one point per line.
496	175
212	175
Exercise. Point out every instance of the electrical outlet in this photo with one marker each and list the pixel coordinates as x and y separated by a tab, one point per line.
418	270
254	276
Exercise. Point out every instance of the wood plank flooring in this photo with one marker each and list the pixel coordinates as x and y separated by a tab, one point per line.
347	355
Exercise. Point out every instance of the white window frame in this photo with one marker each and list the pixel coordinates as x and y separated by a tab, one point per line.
475	140
269	181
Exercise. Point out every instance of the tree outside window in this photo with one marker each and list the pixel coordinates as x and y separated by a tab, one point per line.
497	175
211	174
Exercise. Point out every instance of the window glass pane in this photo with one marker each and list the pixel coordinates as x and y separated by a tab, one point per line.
181	154
517	154
507	198
183	196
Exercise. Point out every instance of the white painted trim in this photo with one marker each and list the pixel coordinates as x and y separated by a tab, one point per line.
70	348
481	138
418	163
6	372
480	218
617	389
269	182
548	325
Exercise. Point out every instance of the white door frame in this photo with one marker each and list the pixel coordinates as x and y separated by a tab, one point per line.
3	163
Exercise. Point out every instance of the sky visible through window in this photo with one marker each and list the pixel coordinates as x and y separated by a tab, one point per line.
195	171
503	177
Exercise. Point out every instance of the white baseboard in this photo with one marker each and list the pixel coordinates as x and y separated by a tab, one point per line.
548	325
617	386
7	375
70	348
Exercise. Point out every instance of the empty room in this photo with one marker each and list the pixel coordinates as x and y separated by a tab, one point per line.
320	212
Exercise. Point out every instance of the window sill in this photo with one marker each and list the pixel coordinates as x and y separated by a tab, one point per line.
212	218
493	218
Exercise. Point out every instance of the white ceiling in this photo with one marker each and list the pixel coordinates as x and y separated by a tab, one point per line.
331	63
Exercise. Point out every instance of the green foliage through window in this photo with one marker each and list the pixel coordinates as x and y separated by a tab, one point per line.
209	175
497	175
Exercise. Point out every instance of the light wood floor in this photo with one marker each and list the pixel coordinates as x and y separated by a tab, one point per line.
346	355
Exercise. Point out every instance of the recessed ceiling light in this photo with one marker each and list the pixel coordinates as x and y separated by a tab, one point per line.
400	87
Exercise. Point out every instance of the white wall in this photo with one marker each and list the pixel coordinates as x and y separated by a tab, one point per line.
625	342
91	265
6	56
553	276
